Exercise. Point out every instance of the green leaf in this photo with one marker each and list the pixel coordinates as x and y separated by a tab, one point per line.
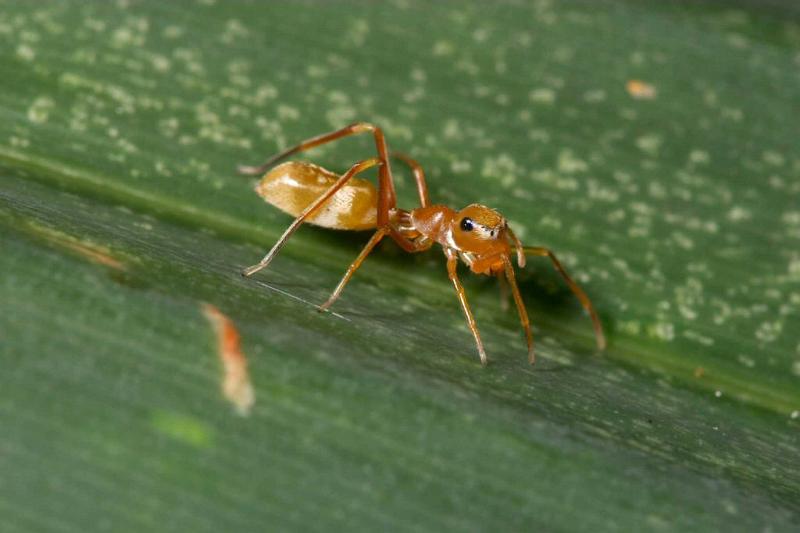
676	207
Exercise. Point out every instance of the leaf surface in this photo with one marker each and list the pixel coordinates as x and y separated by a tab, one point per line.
121	215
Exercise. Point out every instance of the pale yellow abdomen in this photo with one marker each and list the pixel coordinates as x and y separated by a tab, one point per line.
293	186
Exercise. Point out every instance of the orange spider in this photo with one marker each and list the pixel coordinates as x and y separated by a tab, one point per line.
478	235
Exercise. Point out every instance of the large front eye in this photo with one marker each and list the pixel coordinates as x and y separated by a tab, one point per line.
466	224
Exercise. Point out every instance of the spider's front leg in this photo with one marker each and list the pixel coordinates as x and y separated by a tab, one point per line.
452	272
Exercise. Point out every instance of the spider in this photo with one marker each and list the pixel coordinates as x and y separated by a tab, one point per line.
476	234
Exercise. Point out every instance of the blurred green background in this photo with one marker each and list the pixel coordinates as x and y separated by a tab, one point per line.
674	205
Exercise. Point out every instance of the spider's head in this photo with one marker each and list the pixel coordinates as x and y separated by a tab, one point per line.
478	229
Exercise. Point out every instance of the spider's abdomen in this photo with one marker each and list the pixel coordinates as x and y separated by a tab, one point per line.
293	186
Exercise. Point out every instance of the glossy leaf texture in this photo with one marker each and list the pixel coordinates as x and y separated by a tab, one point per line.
652	145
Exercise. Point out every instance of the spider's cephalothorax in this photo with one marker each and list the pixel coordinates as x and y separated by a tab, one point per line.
478	235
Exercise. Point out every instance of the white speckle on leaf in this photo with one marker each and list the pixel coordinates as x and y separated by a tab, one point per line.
286	112
132	33
162	169
657	190
234	30
794	269
542	95
632	327
502	167
662	330
773	158
173	32
697	337
160	63
443	48
341	114
682	240
769	331
524	39
168	126
460	167
616	216
413	95
357	32
649	144
737	214
738	41
520	229
569	163
699	156
452	130
25	52
791	217
481	91
96	25
19	142
596	191
39	110
480	35
539	135
263	93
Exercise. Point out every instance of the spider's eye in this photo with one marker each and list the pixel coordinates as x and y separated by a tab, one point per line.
466	224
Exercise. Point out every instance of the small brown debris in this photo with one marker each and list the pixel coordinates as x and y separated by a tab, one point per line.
641	90
236	386
699	372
